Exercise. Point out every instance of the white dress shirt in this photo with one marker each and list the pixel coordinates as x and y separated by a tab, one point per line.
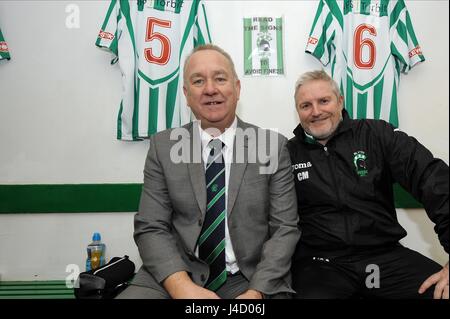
227	138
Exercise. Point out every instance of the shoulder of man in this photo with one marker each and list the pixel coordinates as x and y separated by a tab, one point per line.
372	126
172	135
293	143
270	134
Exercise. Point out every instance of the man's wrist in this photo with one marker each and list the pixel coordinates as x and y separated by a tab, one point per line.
176	283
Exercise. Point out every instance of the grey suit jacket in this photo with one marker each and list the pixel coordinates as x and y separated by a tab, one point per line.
261	210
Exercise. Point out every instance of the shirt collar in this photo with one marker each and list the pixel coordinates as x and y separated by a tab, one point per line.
226	137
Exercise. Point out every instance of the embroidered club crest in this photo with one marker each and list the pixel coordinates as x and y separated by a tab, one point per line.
359	160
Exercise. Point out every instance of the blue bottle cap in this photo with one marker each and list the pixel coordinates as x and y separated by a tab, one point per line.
96	237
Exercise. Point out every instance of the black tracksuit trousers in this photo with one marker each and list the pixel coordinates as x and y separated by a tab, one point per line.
394	272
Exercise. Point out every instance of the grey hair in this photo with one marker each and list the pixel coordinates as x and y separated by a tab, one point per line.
317	75
212	47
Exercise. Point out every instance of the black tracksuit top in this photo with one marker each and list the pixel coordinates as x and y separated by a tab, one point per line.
345	188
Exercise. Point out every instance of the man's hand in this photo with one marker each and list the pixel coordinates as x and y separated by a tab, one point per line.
180	286
250	294
441	280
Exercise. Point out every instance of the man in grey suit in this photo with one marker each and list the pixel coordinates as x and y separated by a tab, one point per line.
250	193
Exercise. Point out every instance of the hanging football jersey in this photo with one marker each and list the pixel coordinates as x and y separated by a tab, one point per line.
150	40
369	44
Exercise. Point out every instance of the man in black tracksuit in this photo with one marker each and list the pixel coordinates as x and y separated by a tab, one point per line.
344	171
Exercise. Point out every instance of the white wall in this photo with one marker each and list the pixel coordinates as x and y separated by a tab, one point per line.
59	98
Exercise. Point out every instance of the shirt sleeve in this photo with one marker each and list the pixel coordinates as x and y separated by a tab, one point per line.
405	46
201	28
322	36
4	51
109	34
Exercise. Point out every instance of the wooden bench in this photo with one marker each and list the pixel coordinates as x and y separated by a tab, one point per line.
53	289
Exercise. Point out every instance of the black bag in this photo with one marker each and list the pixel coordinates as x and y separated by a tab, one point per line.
105	282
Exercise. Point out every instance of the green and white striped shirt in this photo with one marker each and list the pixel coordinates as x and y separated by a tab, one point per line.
369	43
4	52
151	39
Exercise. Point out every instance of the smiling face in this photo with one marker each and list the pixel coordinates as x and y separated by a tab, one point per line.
211	89
319	109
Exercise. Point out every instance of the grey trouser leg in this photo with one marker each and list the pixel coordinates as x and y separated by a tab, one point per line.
238	284
140	292
233	287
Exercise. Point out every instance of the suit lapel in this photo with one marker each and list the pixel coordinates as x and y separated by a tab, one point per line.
237	171
197	174
196	168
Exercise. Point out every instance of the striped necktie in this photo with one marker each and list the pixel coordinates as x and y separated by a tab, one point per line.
212	237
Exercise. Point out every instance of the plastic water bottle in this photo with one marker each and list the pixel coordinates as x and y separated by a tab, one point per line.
96	253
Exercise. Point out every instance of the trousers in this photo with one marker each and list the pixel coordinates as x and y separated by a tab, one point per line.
393	272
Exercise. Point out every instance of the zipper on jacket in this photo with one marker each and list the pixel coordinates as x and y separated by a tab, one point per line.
327	154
